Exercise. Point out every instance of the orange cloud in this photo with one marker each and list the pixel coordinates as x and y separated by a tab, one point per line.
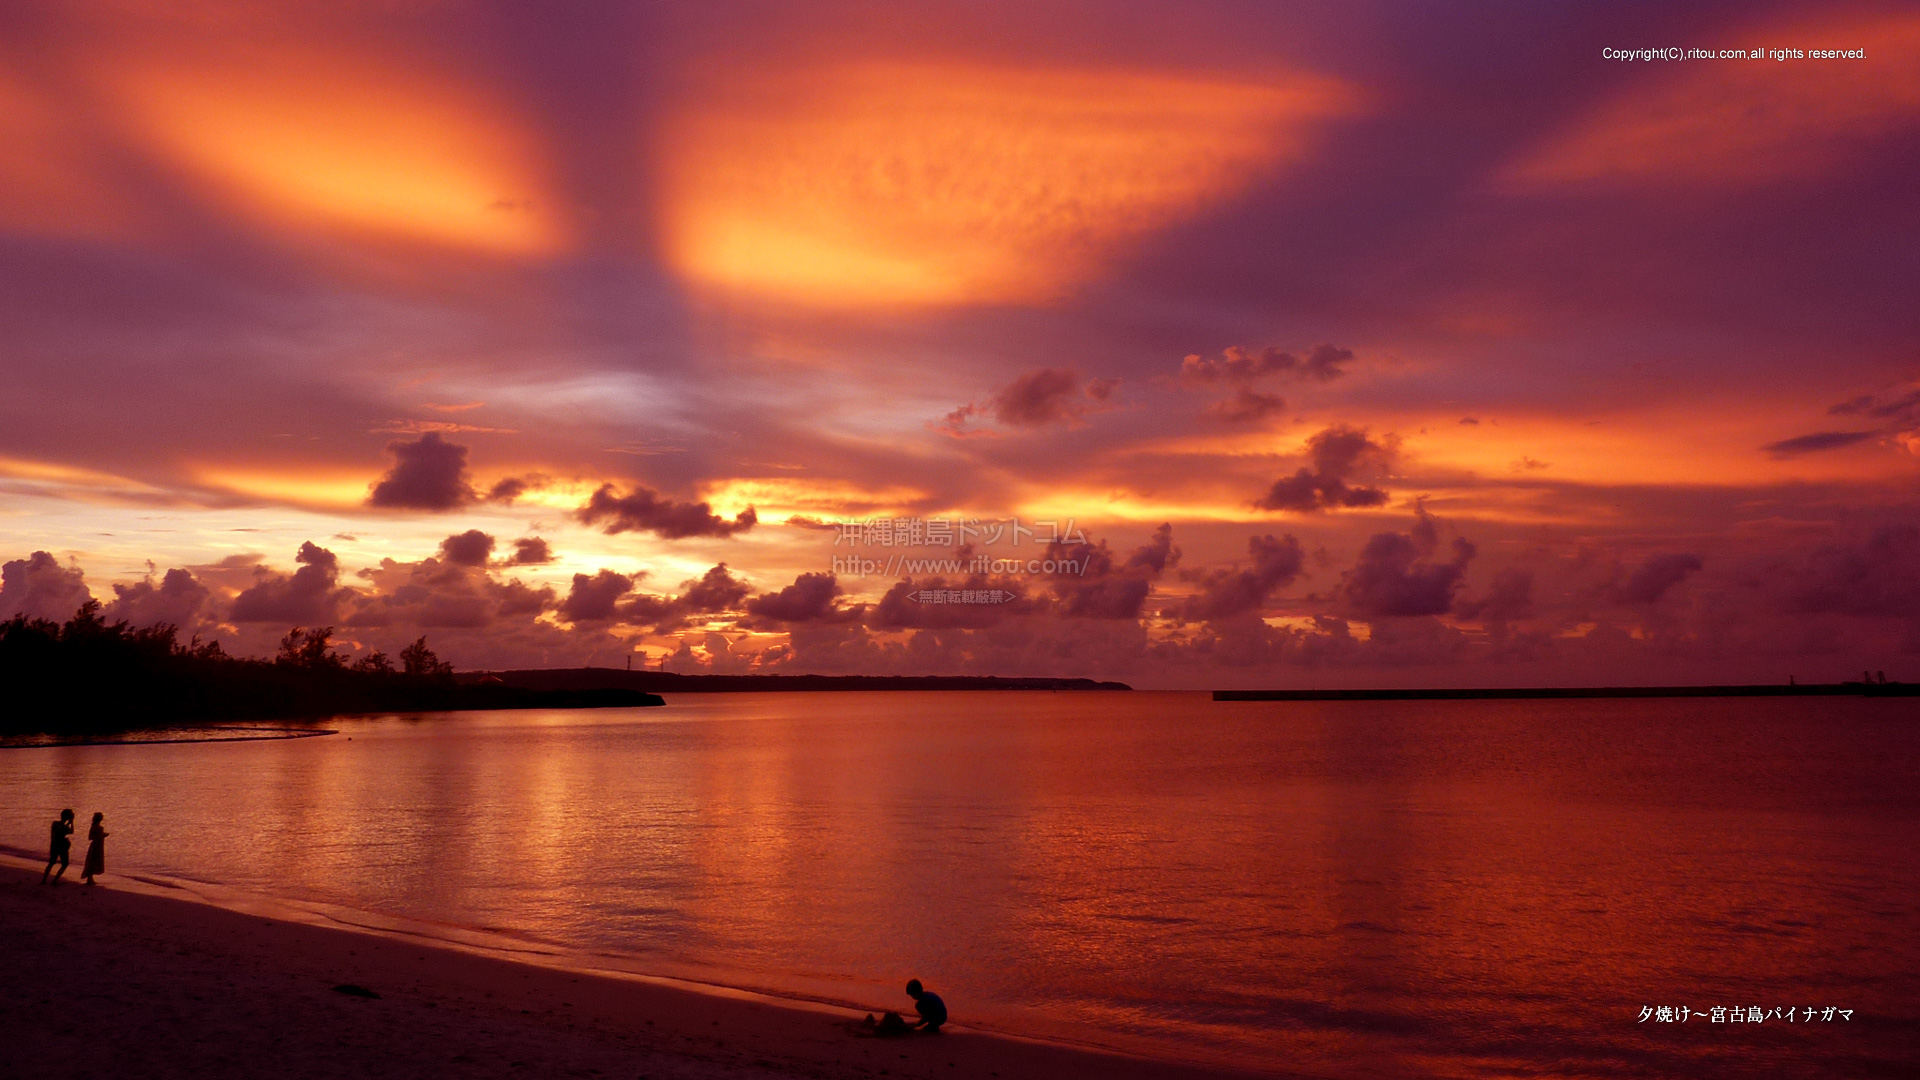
892	184
780	497
336	490
1735	122
313	141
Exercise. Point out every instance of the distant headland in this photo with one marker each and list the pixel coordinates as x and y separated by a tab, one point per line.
88	676
665	682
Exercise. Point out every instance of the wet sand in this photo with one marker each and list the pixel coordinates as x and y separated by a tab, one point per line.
108	982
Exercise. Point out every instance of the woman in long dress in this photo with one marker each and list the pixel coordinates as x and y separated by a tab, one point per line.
96	850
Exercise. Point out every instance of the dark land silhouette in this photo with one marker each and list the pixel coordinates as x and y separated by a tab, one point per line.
663	682
88	676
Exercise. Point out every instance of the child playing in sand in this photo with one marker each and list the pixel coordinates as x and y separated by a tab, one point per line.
57	850
933	1011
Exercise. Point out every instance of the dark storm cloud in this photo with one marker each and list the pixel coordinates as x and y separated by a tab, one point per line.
1337	453
40	588
1652	578
310	596
1395	575
178	600
470	548
646	511
1226	593
1819	440
428	473
1040	397
811	598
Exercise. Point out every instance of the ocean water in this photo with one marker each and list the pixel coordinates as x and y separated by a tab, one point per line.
1447	889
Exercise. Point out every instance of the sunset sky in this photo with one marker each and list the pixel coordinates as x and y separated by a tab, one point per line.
1362	343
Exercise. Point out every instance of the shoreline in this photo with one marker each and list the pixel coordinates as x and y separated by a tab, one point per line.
279	961
254	734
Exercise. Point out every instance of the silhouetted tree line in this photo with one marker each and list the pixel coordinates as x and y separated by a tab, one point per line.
88	676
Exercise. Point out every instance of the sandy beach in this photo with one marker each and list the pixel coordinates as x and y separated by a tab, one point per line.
105	981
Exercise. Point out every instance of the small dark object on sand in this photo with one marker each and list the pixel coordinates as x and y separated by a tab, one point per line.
355	990
887	1027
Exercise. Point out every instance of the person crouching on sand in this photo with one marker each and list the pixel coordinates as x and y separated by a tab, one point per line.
96	850
61	844
933	1011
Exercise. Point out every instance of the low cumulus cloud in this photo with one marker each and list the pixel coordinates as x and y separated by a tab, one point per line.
1510	597
470	548
911	603
530	551
178	600
1654	577
1098	587
475	548
646	510
593	599
309	596
40	588
1227	593
715	591
812	598
610	597
428	473
1397	574
1338	453
1877	577
1038	398
509	488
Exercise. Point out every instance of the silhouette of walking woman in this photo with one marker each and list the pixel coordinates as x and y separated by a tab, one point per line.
59	847
96	850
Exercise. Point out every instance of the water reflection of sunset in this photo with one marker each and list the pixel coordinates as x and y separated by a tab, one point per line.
1356	888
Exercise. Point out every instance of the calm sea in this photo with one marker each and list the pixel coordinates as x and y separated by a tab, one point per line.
1350	889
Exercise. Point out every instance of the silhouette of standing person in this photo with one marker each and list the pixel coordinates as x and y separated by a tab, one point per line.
60	845
96	850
